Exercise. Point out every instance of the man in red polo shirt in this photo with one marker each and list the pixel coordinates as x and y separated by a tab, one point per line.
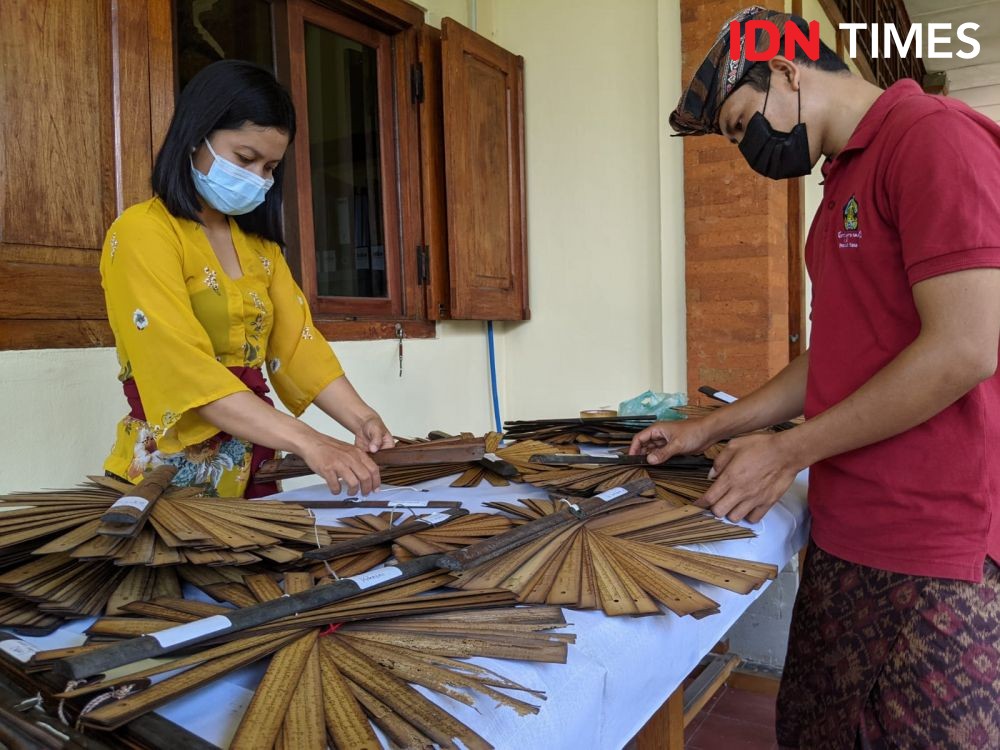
895	638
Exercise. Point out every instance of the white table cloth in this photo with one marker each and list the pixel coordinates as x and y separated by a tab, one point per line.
619	671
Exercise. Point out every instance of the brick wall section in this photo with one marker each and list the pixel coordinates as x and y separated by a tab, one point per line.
736	251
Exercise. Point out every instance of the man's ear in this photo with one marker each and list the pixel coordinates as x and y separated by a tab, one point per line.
785	70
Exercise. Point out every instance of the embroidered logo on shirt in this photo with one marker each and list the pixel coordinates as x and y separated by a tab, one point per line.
140	319
851	215
850	237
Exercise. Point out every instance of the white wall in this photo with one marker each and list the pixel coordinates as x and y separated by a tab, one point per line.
605	195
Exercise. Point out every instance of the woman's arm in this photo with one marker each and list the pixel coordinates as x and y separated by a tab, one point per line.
342	402
246	416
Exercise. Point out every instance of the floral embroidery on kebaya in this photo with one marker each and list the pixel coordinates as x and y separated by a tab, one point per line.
212	280
307	333
266	262
140	319
258	322
206	463
170	418
143	451
114	244
299	298
274	365
250	353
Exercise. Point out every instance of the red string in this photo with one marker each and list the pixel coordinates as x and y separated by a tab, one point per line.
331	628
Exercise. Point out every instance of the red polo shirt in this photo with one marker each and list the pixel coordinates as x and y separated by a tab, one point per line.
914	194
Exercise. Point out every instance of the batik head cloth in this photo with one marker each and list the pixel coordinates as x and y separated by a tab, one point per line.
719	75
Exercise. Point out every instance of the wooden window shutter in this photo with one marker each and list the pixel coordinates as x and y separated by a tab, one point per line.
483	102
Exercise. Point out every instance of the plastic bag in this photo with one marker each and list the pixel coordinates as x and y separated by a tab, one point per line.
657	404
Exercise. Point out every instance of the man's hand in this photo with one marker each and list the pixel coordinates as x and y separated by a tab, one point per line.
373	435
751	475
662	440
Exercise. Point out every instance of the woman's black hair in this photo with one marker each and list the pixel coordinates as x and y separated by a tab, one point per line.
223	96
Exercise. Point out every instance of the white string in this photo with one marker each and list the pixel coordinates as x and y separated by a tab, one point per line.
61	708
113	694
326	565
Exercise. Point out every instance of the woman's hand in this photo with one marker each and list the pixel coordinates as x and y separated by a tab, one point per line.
663	440
373	435
338	462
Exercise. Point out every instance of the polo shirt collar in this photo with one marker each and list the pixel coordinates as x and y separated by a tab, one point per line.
871	123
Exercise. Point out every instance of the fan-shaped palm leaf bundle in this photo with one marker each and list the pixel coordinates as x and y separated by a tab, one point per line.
61	556
623	561
331	684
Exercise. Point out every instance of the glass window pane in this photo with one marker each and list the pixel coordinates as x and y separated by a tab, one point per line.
342	91
211	30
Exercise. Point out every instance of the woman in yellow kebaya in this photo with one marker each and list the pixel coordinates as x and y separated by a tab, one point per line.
199	297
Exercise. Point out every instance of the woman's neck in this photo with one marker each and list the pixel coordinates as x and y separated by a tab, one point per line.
212	218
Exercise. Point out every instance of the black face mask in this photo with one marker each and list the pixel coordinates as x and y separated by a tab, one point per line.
775	154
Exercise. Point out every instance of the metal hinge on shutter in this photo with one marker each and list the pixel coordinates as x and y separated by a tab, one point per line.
417	82
423	265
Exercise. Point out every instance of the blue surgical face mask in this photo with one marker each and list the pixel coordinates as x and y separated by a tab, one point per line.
228	187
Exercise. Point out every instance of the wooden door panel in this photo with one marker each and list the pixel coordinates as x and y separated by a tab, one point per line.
77	117
57	129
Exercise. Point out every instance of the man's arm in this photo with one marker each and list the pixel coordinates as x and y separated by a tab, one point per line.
778	400
954	352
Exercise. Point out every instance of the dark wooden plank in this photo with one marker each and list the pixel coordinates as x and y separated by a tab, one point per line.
54	334
386	15
364	330
47	292
152	732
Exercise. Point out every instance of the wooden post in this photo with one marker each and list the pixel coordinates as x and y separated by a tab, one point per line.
665	730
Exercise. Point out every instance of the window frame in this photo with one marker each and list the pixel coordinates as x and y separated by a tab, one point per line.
394	26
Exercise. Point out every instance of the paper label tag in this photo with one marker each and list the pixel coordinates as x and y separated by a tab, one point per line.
723	396
191	630
139	503
612	493
407	503
492	457
20	650
435	518
375	577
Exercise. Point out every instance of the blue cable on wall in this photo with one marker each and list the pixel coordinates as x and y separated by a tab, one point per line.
493	378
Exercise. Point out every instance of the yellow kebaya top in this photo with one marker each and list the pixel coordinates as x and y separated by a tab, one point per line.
180	322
